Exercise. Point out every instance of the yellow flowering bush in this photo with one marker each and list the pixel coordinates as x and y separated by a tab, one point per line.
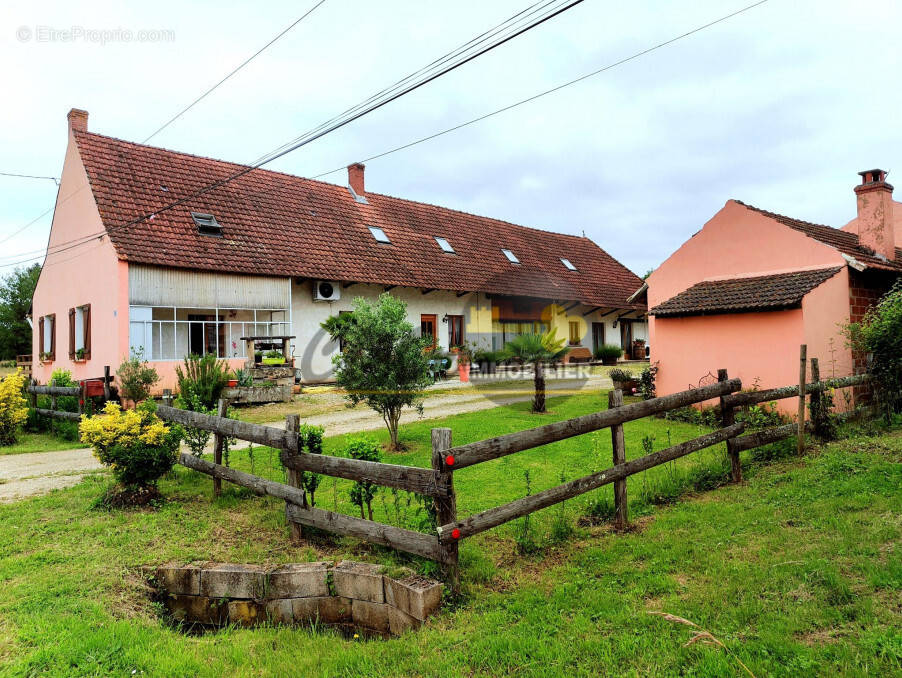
135	444
13	407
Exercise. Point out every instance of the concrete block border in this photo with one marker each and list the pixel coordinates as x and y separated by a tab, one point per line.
349	593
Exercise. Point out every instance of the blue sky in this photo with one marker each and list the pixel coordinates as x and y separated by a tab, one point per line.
779	107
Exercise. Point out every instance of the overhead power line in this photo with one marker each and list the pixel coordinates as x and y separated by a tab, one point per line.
546	92
29	176
502	33
569	83
173	118
233	71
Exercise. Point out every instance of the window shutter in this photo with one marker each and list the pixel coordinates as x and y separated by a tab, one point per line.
52	318
71	334
40	336
87	322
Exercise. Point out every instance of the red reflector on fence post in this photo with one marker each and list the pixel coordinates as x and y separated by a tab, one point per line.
449	460
455	533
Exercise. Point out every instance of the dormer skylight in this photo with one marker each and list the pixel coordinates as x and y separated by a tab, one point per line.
568	264
511	257
445	245
206	224
379	235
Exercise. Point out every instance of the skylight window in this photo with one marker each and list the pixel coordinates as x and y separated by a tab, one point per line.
511	257
445	245
568	264
379	235
206	224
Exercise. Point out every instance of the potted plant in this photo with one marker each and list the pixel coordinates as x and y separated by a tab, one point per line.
464	358
244	378
258	357
46	357
273	357
233	380
487	360
80	354
608	354
639	349
624	380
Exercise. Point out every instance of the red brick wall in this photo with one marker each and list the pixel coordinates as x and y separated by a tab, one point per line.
865	289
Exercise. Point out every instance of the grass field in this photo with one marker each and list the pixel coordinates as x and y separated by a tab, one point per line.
797	571
39	442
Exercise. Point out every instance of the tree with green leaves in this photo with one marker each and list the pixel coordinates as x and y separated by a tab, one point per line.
16	291
879	336
537	350
382	363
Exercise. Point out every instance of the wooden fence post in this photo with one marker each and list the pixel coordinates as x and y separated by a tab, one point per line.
817	399
445	504
106	384
728	418
621	514
803	364
218	440
292	425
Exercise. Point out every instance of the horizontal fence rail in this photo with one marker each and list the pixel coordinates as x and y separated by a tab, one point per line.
409	541
58	414
410	478
55	390
519	508
755	397
474	453
256	483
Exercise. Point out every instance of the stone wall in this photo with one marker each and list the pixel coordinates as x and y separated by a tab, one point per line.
347	594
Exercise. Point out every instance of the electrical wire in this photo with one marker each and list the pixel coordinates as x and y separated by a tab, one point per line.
29	176
392	94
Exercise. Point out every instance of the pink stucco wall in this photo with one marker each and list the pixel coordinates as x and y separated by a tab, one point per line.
739	242
87	273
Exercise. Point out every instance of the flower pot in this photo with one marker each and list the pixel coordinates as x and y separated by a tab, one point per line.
463	372
232	383
274	361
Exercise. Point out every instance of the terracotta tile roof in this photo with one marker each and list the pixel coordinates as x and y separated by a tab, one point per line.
282	225
845	242
773	292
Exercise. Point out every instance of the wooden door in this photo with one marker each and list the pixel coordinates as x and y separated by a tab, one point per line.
428	327
597	336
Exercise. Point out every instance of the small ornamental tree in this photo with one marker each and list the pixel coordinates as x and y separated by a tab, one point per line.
13	407
536	349
383	362
136	377
879	337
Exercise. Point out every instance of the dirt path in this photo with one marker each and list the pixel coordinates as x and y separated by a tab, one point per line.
24	475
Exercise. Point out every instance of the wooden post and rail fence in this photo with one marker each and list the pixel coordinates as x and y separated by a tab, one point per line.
85	389
437	482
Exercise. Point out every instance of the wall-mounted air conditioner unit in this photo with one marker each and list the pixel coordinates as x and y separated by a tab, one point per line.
326	290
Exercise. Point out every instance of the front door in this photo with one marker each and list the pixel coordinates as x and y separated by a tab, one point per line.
597	336
428	329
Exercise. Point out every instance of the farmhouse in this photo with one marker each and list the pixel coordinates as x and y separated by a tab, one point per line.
135	262
750	287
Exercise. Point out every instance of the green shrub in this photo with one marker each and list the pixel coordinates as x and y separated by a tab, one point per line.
136	377
135	444
879	336
607	353
13	407
204	377
244	378
312	439
647	382
619	374
363	493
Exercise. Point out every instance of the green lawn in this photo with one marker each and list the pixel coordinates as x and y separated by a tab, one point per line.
39	442
798	570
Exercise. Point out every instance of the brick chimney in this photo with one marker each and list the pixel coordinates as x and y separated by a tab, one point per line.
875	213
78	120
355	177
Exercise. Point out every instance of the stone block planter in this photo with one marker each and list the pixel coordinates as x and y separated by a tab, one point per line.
298	593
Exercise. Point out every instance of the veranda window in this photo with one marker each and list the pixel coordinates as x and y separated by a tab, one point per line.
171	333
